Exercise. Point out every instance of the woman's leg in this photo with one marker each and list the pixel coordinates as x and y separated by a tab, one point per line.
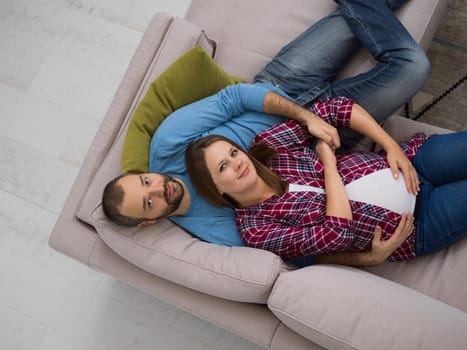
441	219
442	202
443	158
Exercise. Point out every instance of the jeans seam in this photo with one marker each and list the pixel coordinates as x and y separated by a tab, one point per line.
363	24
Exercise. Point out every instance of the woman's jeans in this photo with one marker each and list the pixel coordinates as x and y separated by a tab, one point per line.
306	68
441	213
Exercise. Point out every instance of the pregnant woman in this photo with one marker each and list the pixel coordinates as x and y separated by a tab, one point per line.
296	197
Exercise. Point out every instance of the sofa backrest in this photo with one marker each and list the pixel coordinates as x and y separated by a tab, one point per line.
252	33
242	46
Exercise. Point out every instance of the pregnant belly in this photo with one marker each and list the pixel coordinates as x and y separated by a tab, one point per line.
382	189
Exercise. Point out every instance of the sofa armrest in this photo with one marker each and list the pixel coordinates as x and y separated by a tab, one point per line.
71	236
402	129
347	308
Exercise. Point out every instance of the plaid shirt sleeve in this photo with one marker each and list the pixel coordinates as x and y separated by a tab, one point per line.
411	147
265	232
336	111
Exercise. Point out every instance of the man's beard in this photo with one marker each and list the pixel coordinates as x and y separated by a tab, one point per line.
178	193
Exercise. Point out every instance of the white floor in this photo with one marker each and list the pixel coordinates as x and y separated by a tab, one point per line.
60	64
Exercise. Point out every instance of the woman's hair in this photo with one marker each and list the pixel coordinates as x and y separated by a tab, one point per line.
202	180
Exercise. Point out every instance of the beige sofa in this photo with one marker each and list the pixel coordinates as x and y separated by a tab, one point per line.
420	304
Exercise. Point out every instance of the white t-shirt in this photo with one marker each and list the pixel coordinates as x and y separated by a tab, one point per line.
379	188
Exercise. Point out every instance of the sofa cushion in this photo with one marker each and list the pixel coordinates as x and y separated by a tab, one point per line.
191	77
234	273
331	306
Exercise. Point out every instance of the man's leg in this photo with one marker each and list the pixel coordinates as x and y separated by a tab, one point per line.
402	67
395	4
305	67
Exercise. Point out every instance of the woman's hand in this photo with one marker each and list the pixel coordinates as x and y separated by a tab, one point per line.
362	122
337	202
381	250
325	153
398	161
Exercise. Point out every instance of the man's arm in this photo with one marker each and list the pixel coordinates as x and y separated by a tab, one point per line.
276	104
231	104
380	250
211	112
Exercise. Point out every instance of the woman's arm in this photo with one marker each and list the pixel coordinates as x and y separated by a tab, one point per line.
337	202
364	123
287	239
380	250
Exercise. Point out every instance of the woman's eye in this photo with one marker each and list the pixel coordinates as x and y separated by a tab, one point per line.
150	203
147	182
234	153
222	167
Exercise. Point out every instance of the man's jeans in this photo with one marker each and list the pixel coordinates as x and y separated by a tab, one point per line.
306	68
441	213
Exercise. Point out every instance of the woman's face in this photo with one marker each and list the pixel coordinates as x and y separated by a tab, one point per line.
231	170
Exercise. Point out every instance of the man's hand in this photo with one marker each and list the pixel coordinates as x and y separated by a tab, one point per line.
381	250
276	104
322	130
398	161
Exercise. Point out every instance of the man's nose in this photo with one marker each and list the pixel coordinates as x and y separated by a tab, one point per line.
157	189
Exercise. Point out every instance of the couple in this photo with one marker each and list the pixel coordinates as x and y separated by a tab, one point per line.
304	70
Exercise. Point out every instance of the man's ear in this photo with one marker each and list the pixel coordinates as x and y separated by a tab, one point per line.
147	223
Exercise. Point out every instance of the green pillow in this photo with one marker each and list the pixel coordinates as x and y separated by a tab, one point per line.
193	76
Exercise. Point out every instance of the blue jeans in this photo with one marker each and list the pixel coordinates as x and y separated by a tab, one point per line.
441	213
306	68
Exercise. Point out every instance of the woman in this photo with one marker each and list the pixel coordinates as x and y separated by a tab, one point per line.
310	201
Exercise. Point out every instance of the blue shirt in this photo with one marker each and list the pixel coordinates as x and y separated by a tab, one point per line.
234	112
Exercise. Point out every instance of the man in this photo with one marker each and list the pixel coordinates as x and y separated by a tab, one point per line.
304	71
246	109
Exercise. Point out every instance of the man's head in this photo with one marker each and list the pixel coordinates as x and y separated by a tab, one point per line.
141	199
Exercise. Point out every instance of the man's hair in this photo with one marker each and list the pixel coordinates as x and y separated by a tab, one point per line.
112	199
202	180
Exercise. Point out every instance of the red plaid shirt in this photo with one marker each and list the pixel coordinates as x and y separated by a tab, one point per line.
295	224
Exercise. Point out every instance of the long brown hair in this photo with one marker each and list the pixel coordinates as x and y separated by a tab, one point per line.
202	180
